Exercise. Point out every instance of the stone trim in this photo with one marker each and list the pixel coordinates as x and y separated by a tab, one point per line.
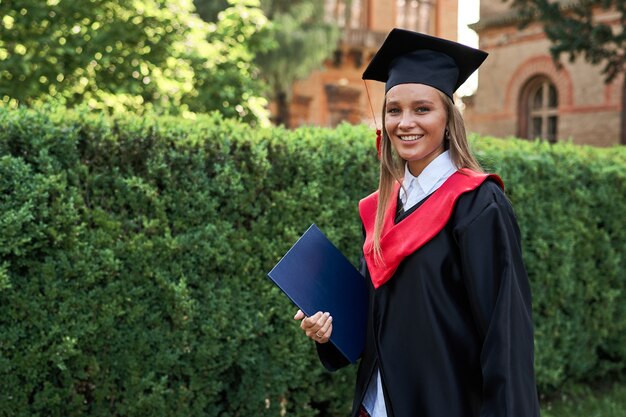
533	67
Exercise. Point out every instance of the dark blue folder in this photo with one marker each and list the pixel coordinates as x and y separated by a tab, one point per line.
316	276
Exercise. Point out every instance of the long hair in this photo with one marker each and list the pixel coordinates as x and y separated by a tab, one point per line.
392	166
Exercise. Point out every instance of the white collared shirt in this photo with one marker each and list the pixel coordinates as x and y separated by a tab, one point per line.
417	188
431	178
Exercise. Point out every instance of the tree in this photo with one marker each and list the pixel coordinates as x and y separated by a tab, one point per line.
304	40
69	50
209	10
226	78
132	55
573	30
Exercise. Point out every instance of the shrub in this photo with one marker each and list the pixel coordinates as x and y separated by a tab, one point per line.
134	253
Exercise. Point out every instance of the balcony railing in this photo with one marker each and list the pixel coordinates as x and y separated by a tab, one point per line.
362	38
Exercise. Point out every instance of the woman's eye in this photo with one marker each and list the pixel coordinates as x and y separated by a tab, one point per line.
392	110
422	109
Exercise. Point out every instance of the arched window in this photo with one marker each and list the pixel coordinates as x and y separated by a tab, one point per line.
539	104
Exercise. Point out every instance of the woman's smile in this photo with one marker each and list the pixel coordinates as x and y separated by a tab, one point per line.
409	138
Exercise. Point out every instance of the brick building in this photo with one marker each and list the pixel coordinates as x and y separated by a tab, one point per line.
522	93
336	92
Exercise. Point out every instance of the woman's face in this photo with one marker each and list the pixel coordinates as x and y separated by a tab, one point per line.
415	120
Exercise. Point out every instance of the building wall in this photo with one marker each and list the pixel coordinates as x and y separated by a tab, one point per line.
491	8
446	15
589	111
382	15
336	91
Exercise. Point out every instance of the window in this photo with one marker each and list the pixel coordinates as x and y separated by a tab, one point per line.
539	110
345	13
414	14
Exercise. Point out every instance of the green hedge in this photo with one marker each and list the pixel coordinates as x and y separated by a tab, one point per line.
133	254
570	202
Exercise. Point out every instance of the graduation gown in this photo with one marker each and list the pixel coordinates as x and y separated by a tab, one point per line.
451	330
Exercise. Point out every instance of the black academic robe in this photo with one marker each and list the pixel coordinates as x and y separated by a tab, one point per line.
451	331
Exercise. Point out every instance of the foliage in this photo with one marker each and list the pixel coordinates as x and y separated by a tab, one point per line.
133	265
131	55
573	30
565	199
134	253
605	400
225	77
209	10
304	40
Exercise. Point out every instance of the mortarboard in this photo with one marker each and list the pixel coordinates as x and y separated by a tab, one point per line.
412	57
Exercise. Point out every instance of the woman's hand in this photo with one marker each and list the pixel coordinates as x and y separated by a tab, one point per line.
317	327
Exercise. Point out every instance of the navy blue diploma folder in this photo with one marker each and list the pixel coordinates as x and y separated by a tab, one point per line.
316	276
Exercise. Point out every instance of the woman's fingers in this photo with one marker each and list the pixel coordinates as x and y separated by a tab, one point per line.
299	315
309	322
317	322
317	327
323	334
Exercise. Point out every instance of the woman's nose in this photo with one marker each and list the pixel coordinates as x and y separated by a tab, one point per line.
406	121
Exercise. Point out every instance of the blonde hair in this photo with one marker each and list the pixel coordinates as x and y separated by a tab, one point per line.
392	166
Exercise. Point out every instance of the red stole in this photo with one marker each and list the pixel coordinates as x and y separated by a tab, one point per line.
397	241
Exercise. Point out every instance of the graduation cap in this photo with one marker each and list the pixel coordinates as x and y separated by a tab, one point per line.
411	57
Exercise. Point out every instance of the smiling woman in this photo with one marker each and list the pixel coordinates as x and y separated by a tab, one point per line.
449	328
